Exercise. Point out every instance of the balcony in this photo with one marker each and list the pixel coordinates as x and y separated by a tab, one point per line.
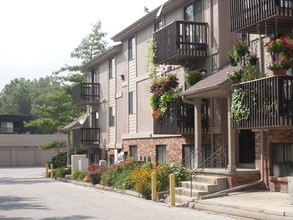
261	16
178	119
86	93
269	102
181	41
86	137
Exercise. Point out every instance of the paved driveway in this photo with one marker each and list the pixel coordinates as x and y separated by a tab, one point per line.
26	194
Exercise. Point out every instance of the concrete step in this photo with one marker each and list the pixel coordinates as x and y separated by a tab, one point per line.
183	200
209	179
183	191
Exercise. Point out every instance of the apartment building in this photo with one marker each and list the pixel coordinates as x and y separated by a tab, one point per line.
198	131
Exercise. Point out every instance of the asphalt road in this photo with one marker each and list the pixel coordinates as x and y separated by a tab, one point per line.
26	194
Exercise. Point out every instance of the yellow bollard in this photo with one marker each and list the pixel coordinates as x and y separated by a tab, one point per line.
47	170
52	171
154	186
172	189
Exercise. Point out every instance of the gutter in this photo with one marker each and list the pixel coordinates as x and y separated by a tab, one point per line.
234	189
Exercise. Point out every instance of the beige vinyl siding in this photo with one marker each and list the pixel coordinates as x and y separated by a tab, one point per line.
132	87
112	133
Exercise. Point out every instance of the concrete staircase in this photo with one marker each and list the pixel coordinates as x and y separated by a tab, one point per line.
201	185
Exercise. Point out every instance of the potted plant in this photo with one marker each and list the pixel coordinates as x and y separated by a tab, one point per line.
252	59
241	48
276	46
236	76
279	67
231	57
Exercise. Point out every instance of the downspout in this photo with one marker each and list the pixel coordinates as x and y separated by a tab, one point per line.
234	189
188	101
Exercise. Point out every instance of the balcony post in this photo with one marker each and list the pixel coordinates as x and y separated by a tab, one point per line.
231	141
197	132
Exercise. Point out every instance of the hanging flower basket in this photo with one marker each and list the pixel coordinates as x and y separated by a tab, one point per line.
280	72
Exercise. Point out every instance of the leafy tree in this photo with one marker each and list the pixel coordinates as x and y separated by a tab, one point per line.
54	111
15	97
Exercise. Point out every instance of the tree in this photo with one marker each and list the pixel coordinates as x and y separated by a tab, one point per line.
15	97
54	110
91	45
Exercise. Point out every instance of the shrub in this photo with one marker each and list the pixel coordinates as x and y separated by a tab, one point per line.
61	172
181	173
78	175
142	181
60	160
94	173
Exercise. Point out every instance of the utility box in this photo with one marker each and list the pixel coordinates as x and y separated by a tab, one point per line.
290	189
79	162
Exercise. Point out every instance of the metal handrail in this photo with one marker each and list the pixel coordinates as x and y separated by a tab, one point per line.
221	151
193	154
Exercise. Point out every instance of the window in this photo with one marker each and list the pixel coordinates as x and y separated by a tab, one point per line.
188	155
133	151
94	76
95	119
193	11
161	153
111	116
111	68
282	157
6	127
131	48
131	103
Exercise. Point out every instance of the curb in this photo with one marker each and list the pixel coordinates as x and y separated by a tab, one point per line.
253	213
98	186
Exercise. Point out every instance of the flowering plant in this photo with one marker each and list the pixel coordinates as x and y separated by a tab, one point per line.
277	45
94	173
240	47
278	65
236	76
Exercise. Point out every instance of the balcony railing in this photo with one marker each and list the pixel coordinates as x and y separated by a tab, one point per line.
181	41
261	16
178	119
86	137
269	102
9	130
86	93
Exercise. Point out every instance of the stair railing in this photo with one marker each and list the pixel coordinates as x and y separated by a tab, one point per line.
192	155
218	153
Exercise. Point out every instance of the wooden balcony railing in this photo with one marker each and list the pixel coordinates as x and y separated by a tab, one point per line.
181	41
261	16
269	102
86	137
86	93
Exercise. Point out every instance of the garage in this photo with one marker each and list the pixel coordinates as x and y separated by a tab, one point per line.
24	149
5	157
25	157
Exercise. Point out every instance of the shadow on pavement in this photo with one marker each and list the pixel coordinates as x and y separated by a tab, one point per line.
8	203
25	181
71	217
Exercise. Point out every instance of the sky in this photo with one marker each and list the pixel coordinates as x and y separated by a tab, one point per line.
37	36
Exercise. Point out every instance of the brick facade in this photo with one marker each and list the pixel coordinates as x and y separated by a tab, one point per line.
146	147
279	184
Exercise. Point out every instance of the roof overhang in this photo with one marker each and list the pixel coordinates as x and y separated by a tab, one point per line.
148	19
80	122
216	85
102	57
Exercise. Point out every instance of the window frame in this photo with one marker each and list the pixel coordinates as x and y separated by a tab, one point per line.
133	151
161	153
132	48
280	150
132	102
195	16
111	116
111	68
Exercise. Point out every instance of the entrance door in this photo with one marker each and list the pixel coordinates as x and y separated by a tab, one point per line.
247	148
